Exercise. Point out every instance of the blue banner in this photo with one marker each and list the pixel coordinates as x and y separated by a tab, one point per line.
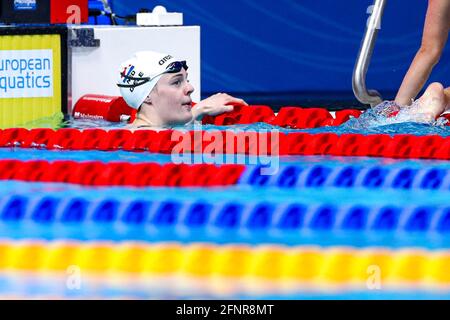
24	4
291	46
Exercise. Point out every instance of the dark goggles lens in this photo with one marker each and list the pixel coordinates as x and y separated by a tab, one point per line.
176	66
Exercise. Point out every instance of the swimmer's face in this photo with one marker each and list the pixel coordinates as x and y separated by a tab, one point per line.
171	98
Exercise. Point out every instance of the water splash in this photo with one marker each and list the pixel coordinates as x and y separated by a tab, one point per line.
373	121
387	118
390	113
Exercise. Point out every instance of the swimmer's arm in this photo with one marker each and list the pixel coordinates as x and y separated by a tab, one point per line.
215	105
435	33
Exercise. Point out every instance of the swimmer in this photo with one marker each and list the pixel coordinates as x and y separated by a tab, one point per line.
157	85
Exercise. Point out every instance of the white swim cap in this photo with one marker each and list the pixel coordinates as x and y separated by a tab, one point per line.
140	74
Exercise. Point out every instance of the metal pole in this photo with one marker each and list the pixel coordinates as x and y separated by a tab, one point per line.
363	95
108	9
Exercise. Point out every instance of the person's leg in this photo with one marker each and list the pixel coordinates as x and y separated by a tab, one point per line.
435	33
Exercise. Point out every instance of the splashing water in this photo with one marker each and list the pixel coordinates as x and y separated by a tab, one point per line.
389	112
387	118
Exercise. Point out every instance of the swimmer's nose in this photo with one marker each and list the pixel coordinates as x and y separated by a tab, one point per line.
189	89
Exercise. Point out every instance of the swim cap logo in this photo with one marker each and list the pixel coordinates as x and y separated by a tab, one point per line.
165	59
129	77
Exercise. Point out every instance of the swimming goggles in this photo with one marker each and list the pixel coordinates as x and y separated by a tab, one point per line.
174	67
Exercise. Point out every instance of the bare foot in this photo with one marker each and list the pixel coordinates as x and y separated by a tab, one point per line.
433	101
447	98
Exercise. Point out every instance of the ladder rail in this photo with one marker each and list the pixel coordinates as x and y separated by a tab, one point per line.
365	96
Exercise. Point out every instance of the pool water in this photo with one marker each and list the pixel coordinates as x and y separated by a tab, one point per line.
386	127
251	213
371	121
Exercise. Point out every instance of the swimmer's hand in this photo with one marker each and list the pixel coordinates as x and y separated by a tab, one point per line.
215	105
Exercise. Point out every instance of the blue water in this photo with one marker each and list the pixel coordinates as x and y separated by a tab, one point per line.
372	121
239	194
375	120
245	195
391	128
141	157
43	286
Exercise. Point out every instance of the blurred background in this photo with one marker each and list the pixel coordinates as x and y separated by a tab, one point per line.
286	51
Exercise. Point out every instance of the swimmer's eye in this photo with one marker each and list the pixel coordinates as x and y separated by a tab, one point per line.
177	82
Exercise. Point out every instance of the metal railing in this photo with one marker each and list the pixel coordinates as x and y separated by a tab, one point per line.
363	95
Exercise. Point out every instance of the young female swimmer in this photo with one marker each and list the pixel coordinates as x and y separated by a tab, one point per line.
157	85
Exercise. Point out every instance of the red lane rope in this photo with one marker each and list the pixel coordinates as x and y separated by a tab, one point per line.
228	142
287	117
96	173
115	109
